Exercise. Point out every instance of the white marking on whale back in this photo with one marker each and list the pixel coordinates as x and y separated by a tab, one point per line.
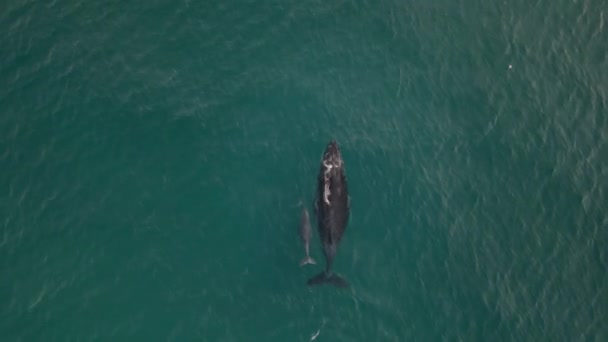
326	175
328	166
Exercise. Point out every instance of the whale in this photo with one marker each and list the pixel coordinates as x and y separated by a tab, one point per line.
332	210
305	235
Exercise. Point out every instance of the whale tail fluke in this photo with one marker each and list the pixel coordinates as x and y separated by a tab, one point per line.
328	278
308	261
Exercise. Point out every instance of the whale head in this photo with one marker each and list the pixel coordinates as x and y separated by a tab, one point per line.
332	158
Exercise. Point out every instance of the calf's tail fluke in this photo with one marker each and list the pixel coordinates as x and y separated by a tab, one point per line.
308	261
328	278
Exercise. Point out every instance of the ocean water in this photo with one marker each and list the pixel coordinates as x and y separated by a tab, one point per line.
153	155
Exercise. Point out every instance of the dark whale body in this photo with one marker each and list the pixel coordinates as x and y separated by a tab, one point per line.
332	208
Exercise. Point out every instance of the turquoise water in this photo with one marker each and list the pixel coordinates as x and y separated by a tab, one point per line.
153	155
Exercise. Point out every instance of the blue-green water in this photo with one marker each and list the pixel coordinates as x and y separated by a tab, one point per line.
152	156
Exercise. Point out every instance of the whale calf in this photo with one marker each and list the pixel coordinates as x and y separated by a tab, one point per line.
305	234
332	209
